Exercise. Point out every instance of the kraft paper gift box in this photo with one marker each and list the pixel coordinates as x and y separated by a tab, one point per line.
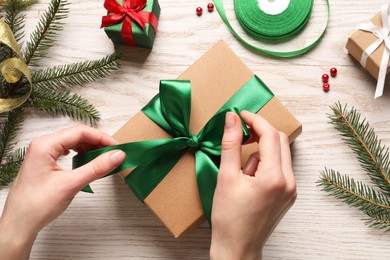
360	40
214	78
139	37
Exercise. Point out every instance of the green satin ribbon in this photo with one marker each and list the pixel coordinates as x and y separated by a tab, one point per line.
171	110
263	26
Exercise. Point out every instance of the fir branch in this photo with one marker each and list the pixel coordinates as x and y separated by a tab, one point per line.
372	155
379	221
8	131
63	103
15	19
79	73
11	167
47	29
355	194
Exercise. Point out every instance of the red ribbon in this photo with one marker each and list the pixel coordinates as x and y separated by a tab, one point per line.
131	10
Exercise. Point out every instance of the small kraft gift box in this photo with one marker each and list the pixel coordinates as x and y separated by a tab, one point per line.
370	45
173	144
131	22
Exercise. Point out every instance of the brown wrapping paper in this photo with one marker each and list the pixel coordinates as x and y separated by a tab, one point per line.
360	40
215	77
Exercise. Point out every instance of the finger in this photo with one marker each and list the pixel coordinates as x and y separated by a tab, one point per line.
252	137
269	140
231	145
97	168
251	165
286	160
77	136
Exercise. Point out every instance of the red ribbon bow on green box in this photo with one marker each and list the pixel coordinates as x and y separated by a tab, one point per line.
130	11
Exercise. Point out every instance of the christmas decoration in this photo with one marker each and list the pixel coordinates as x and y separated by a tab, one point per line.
373	200
131	22
326	87
210	7
333	72
199	11
325	78
25	86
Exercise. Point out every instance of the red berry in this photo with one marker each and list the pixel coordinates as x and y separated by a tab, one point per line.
325	78
199	11
326	87
333	72
210	7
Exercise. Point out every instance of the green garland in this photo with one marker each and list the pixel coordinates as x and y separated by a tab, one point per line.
50	86
374	158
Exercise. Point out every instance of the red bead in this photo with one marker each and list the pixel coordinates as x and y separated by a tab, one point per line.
199	11
326	87
333	72
210	7
325	78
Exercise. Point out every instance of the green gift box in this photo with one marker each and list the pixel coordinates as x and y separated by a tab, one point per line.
132	22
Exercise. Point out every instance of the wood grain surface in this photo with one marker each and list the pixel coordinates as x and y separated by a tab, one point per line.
113	224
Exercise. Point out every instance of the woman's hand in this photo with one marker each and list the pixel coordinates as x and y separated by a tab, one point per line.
42	190
249	203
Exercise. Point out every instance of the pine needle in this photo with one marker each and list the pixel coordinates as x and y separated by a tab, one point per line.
12	123
374	159
354	193
64	103
79	73
372	155
11	166
42	38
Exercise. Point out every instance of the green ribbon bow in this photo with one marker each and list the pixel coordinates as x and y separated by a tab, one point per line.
171	110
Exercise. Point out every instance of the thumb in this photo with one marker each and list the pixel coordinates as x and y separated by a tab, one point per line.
231	145
99	167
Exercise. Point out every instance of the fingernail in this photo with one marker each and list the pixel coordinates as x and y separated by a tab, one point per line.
230	120
117	157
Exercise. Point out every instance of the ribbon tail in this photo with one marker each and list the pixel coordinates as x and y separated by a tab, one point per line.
137	153
143	179
206	177
127	32
367	52
151	18
382	73
109	20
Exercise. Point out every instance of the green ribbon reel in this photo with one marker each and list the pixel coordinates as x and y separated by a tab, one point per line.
271	27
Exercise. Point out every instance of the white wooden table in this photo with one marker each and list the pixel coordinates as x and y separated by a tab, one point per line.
113	224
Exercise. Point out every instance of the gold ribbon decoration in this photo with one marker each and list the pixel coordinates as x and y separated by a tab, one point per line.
13	69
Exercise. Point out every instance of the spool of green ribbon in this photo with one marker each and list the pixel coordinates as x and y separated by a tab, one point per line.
265	26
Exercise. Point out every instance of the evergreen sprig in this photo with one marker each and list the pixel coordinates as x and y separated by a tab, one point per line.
63	103
14	161
374	159
47	29
50	90
12	123
15	18
78	73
